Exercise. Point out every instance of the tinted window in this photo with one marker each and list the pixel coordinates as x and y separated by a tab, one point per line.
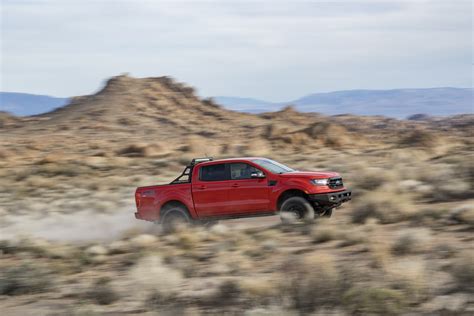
213	173
242	170
272	166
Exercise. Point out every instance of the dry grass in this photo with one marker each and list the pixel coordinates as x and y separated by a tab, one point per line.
27	278
412	241
261	291
411	276
379	251
325	232
316	273
372	178
463	214
102	293
387	207
463	271
151	275
365	300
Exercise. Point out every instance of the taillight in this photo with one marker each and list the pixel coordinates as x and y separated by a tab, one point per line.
137	198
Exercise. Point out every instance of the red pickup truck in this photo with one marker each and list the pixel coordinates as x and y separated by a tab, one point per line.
210	190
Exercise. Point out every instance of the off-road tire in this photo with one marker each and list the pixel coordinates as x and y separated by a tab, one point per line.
173	217
328	213
296	209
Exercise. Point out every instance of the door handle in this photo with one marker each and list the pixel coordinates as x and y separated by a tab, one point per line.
202	187
235	185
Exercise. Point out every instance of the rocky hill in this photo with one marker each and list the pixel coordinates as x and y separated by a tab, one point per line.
160	117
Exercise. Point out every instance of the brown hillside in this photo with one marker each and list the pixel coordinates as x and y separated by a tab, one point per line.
143	106
154	117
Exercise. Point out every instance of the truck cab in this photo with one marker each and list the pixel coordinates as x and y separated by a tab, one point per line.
209	190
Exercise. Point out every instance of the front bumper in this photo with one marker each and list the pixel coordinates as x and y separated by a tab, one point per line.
331	198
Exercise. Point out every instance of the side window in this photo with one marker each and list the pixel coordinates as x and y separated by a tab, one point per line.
213	173
239	171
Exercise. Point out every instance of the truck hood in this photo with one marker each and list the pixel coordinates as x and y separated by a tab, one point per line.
310	174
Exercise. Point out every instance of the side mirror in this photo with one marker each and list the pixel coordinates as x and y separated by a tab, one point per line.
257	175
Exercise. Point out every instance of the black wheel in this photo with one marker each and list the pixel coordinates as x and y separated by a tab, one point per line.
296	209
174	218
328	213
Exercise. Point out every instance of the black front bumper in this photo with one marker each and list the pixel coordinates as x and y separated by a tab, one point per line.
331	198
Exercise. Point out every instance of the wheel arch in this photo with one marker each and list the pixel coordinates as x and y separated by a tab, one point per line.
173	203
289	193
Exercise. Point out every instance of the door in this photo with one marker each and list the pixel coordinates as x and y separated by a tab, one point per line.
247	194
210	187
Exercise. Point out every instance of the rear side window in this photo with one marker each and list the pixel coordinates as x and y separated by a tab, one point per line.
217	172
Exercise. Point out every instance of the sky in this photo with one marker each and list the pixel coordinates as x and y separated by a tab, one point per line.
273	50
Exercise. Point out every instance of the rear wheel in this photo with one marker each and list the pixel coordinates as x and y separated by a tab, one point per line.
296	209
175	218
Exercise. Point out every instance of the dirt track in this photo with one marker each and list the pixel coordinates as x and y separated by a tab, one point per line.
89	226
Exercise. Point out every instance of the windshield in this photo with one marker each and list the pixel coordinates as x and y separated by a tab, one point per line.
272	166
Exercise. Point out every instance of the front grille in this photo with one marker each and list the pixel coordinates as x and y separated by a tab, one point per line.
335	183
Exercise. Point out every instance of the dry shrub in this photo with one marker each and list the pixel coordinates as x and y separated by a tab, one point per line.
463	214
228	293
59	169
387	207
102	293
323	233
25	279
428	216
187	238
255	147
373	178
158	300
411	241
151	275
352	237
380	253
274	131
143	150
448	182
329	134
36	246
6	247
312	282
200	146
419	138
463	271
444	251
259	290
410	276
365	300
451	189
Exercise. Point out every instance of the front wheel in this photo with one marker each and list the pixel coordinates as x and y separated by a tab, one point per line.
296	209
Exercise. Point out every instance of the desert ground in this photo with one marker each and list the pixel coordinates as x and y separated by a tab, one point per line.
70	245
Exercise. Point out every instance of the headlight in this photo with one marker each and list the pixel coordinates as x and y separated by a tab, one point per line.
320	181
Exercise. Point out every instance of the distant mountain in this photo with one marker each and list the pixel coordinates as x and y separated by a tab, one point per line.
24	104
398	103
246	104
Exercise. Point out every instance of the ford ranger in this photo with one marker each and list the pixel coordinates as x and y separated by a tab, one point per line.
210	190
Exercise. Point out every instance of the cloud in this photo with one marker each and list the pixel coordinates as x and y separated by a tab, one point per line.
267	49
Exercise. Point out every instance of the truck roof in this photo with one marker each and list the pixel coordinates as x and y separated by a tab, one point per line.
230	160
